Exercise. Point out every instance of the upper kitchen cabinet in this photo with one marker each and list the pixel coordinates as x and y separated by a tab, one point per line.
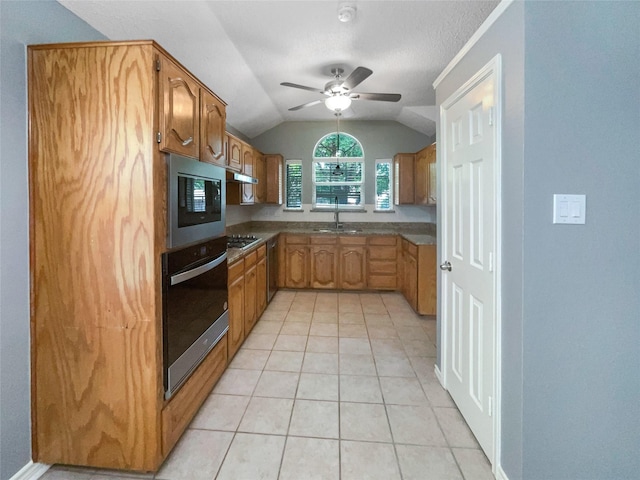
179	115
234	153
404	191
415	177
212	128
260	173
273	179
425	176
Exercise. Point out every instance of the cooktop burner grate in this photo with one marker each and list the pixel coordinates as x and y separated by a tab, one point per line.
242	241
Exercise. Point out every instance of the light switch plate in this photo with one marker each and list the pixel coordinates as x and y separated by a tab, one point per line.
569	209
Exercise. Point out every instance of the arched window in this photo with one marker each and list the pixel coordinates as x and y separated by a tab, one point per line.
338	172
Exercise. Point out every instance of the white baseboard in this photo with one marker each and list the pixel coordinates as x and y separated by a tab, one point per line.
500	475
31	471
439	376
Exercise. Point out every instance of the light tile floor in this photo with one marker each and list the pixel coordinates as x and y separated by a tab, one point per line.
327	386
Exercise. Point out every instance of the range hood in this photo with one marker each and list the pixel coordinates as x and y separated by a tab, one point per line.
240	178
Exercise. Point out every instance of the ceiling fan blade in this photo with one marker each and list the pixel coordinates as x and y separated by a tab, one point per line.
302	87
381	97
356	78
305	105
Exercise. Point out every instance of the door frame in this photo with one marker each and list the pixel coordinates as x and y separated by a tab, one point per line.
493	66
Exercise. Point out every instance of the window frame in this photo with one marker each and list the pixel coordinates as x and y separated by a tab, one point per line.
288	162
361	183
340	160
375	183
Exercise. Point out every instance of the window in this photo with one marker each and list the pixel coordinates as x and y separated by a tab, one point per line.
338	172
384	185
294	184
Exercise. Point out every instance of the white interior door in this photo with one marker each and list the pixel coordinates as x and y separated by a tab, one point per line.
469	160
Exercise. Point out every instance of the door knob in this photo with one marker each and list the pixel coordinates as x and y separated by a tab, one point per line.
446	265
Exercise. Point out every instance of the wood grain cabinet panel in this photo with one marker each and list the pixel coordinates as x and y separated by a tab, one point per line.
261	281
212	128
179	110
273	179
98	189
382	263
250	291
404	187
323	266
425	176
234	153
236	307
352	267
260	173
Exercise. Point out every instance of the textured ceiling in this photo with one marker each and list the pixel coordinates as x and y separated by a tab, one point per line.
243	50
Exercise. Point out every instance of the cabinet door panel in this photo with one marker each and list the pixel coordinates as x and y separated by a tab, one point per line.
404	193
296	266
179	111
249	299
324	263
213	121
261	286
236	315
352	268
234	153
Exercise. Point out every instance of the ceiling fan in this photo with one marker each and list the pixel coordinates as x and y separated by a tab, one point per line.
340	92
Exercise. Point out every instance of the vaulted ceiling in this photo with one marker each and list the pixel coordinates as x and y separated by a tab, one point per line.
243	50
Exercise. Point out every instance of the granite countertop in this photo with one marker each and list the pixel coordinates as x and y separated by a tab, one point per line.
418	234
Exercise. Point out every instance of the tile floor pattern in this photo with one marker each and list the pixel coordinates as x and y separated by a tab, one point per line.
327	386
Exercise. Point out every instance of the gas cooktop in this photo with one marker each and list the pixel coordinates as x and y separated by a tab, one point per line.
242	241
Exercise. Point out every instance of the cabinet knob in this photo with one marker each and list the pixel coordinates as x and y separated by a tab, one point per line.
187	141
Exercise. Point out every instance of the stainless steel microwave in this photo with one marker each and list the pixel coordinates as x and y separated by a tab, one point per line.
196	201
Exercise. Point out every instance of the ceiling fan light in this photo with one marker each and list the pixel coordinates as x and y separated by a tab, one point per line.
337	103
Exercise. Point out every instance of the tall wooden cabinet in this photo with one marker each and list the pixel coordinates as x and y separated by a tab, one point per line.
101	114
415	177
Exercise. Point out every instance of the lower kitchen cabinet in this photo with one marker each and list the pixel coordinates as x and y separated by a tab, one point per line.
382	262
296	261
235	334
323	255
261	281
419	277
353	263
249	292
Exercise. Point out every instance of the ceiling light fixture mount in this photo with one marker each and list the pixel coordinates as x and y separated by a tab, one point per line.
346	13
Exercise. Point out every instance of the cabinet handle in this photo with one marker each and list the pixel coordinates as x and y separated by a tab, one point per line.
187	141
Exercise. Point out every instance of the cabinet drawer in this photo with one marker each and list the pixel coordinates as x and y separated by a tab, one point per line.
382	253
185	404
261	251
236	270
352	240
296	239
383	240
382	282
385	267
323	240
250	260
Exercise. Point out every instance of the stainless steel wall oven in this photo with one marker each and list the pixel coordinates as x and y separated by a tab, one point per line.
195	315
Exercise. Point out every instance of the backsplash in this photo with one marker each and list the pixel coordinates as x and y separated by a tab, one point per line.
274	226
409	213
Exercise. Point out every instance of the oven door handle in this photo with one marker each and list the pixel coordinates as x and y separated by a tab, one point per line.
189	274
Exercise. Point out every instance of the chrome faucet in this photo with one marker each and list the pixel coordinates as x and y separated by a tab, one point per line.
336	215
